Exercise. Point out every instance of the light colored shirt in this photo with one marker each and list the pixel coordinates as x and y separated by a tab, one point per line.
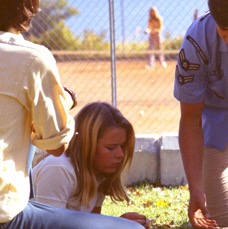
30	90
55	182
154	26
202	75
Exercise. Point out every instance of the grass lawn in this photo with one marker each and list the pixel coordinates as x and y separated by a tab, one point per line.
166	207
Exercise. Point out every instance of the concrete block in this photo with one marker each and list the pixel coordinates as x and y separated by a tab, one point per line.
145	160
171	166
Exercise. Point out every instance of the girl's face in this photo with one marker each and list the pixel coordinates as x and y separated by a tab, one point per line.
152	13
223	33
110	154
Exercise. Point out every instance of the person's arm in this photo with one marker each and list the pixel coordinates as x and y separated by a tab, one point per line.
147	31
192	147
139	218
98	206
55	152
191	143
48	102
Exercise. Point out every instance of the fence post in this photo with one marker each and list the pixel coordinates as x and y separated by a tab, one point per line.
112	51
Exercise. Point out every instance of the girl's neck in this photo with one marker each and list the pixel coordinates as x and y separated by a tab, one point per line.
13	30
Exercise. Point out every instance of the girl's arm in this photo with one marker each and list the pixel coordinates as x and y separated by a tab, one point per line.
139	218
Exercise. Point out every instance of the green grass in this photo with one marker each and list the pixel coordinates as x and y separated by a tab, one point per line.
166	207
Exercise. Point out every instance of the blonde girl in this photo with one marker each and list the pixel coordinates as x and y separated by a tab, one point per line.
154	29
91	168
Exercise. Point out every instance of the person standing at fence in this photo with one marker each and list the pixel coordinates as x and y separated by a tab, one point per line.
34	110
154	29
103	145
195	15
201	86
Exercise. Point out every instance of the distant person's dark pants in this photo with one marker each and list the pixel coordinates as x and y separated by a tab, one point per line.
155	44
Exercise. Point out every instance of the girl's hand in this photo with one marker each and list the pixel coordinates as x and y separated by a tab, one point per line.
146	31
142	219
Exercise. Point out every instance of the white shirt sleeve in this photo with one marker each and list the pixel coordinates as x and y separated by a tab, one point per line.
54	126
53	184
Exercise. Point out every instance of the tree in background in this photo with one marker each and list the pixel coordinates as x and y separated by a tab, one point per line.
49	28
52	12
60	37
92	41
172	43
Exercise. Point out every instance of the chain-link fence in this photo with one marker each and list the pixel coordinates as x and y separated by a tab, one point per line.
102	53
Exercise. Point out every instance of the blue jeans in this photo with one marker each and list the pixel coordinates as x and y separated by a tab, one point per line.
41	216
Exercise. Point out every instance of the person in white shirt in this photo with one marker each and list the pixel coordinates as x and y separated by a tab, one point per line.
34	111
101	148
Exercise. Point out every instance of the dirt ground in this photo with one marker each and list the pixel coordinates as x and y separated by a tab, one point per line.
144	96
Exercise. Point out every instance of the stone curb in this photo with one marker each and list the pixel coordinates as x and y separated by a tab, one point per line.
157	159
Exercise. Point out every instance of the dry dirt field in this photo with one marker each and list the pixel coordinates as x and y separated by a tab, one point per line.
144	96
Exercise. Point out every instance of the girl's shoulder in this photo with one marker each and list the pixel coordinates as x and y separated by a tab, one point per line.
61	161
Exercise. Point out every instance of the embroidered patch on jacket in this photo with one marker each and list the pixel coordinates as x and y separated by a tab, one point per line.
183	79
199	50
185	64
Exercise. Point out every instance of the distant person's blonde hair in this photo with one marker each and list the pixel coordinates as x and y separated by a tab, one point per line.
154	14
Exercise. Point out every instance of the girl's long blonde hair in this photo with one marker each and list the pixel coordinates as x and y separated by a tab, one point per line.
90	124
154	14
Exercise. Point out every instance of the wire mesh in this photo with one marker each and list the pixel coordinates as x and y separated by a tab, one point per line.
79	33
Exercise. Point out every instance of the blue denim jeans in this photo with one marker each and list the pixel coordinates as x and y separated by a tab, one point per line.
41	216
